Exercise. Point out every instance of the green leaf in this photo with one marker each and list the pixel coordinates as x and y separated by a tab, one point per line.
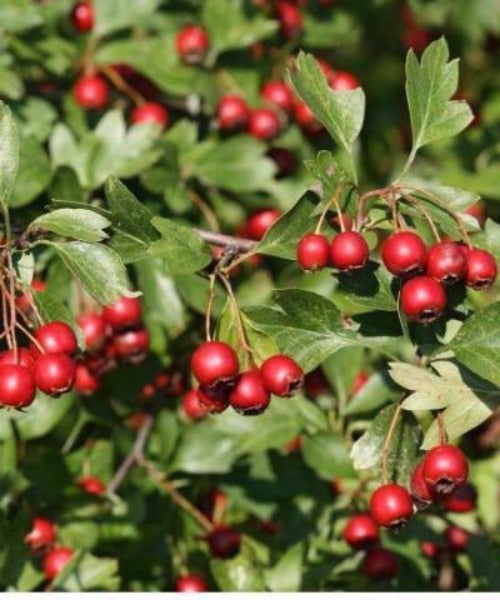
76	223
111	15
34	173
51	308
327	455
9	153
286	574
86	572
19	15
326	169
238	574
374	394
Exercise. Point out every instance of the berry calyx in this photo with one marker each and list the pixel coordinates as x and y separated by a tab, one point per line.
313	252
91	92
23	357
263	124
404	254
343	80
290	19
419	489
481	270
42	534
132	346
82	17
423	299
462	500
150	112
92	485
249	396
190	584
192	43
55	560
258	223
86	383
281	375
446	263
214	362
361	532
213	399
445	469
54	374
391	505
192	407
94	329
457	539
224	541
349	251
17	386
278	94
125	312
56	338
379	564
232	113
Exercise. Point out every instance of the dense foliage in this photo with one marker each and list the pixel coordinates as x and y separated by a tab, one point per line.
250	317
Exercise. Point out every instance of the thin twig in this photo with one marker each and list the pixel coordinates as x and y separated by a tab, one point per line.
120	83
221	239
441	428
211	296
205	210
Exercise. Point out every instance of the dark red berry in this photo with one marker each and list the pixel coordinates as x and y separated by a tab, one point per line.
445	469
457	538
481	270
132	346
462	500
94	329
86	383
42	534
313	252
150	112
249	396
56	338
420	491
91	91
379	564
404	254
162	381
55	560
361	532
284	160
343	80
17	386
20	357
416	38
125	312
214	362
290	19
349	250
423	299
54	374
92	485
192	407
278	94
391	505
214	399
305	119
446	263
232	113
281	375
224	541
258	223
82	17
429	549
190	584
192	44
263	124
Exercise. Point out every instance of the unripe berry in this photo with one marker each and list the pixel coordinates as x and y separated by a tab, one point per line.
192	43
82	17
281	375
150	112
86	383
224	541
343	80
379	564
278	94
481	270
214	399
56	338
23	357
391	505
420	491
361	532
446	263
284	160
42	534
445	469
54	374
423	299
462	500
214	362
192	407
249	396
55	560
313	252
306	119
94	329
17	386
91	92
263	124
232	113
92	485
349	250
125	312
132	346
457	539
190	584
290	19
258	223
404	254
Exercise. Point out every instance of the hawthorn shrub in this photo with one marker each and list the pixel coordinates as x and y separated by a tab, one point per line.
250	316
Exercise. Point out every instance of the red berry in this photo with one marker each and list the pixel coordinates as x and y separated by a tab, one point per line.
379	564
94	329
305	118
56	338
192	407
278	94
150	112
82	17
446	263
263	124
86	383
457	538
213	399
42	534
214	362
284	160
361	532
55	560
462	500
17	386
343	80
132	346
224	541
481	269
346	220
162	381
125	312
313	252
258	223
232	113
54	374
192	44
281	375
349	250
24	357
417	38
91	91
290	19
92	485
391	505
420	491
190	584
423	299
429	549
249	396
445	469
359	382
404	254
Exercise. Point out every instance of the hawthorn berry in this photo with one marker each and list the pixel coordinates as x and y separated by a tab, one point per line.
86	383
263	124
224	541
361	532
17	386
150	112
132	346
481	270
457	539
305	118
420	491
462	500
404	254
446	263
82	16
313	252
91	92
54	374
55	338
192	407
92	485
423	299
445	469
162	381
278	94
125	312
55	560
214	362
213	399
192	43
343	80
22	357
290	19
391	505
190	584
379	563
284	160
232	113
42	534
94	329
281	375
258	223
249	395
349	250
429	549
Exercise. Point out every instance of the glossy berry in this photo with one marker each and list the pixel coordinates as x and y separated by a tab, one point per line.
445	469
232	113
361	532
22	357
132	346
92	485
94	329
404	254
213	362
290	19
305	119
91	92
281	375
349	250
55	560
124	313
192	44
86	383
313	252
423	299
258	223
190	584
150	112
462	500
42	534
278	94
429	549
224	541
263	124
57	337
343	80
420	491
82	17
456	538
284	160
54	374
17	386
446	263
249	396
391	505
379	564
192	407
481	270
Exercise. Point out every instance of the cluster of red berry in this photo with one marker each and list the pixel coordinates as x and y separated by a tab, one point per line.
41	539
